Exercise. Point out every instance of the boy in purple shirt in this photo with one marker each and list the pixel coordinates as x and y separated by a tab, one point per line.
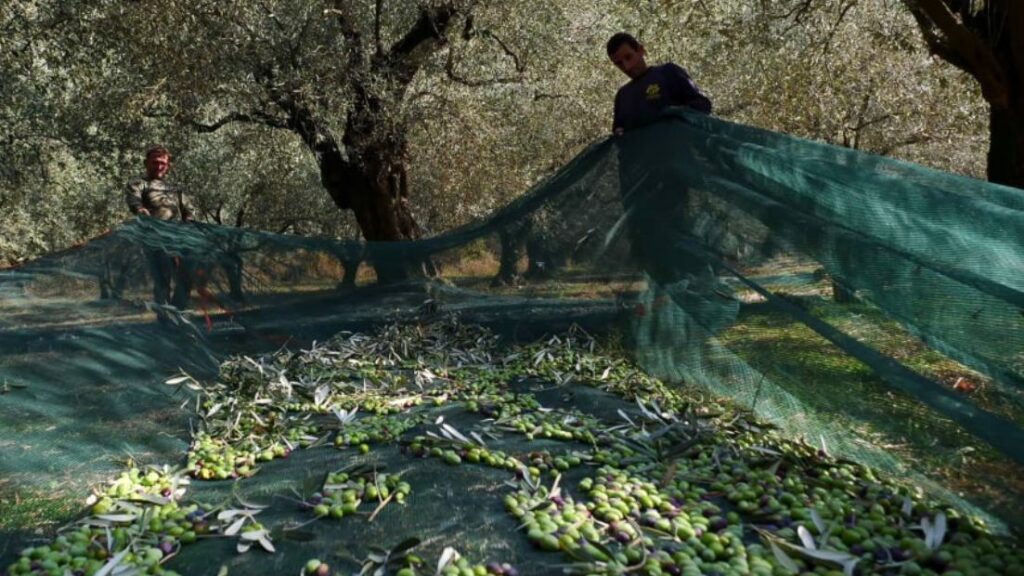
650	89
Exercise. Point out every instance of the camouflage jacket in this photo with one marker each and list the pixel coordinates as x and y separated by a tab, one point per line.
163	200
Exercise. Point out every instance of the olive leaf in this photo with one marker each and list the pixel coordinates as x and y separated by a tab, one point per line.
448	556
478	438
116	518
805	537
934	533
235	527
785	561
178	380
819	523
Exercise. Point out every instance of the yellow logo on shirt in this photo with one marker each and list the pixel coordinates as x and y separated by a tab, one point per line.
653	92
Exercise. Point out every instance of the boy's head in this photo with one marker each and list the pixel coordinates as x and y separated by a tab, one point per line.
158	161
627	54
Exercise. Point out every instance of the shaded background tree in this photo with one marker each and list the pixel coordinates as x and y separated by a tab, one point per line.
985	38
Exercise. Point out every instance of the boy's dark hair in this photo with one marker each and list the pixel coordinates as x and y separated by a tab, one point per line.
622	38
157	150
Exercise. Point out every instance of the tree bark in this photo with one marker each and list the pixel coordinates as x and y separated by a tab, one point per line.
381	208
351	267
234	270
986	41
545	256
512	239
114	278
1006	147
370	180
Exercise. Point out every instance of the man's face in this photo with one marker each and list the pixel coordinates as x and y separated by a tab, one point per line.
157	165
630	60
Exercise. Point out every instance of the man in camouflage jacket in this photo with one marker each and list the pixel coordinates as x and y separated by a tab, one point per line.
153	196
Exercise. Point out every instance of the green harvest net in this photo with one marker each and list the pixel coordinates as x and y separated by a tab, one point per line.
691	350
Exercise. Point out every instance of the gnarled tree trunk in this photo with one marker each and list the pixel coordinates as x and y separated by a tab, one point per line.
1006	146
375	188
512	239
986	40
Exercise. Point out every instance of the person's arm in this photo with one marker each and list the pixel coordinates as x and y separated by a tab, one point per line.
133	197
617	128
685	91
185	205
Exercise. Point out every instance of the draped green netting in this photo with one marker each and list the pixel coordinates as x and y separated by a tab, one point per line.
760	339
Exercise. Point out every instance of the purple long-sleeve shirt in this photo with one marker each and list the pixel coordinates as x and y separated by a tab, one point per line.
659	87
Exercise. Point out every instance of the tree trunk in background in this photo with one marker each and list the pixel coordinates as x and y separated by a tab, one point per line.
1006	147
841	294
351	271
114	278
545	257
233	269
512	239
380	204
986	40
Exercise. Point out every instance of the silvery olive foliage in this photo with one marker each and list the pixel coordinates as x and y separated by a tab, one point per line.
510	92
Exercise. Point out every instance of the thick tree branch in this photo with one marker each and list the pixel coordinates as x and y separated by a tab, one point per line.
353	38
430	27
977	56
937	45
